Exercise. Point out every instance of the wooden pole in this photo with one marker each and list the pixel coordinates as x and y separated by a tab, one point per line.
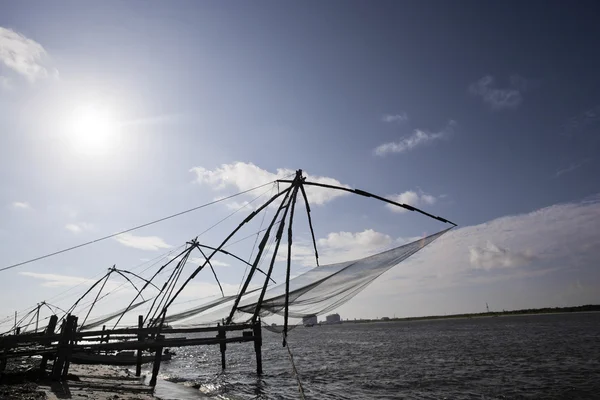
69	351
222	335
289	263
49	332
257	330
157	359
59	359
37	318
138	366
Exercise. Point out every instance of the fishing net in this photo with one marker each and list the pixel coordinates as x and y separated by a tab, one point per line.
316	292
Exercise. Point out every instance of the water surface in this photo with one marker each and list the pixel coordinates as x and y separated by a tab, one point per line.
522	357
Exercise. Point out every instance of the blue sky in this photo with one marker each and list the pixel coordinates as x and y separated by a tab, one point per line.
487	114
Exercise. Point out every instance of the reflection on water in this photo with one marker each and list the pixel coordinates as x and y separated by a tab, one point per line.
545	356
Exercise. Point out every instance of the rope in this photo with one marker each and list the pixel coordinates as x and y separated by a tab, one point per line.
129	230
300	389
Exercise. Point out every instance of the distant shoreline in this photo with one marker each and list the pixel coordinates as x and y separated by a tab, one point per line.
530	311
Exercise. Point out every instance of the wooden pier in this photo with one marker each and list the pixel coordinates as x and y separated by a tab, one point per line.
60	347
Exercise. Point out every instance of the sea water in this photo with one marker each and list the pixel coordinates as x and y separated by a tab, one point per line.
515	357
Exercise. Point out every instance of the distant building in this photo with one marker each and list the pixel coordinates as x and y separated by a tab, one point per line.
310	320
385	318
333	319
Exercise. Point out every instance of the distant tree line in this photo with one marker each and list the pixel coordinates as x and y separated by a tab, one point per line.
546	310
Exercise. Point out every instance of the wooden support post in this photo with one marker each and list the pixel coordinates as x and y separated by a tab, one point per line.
222	335
157	359
49	332
102	334
69	351
257	330
59	358
141	337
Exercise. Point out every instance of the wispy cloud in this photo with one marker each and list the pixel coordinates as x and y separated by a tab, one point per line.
21	205
22	55
401	117
142	242
79	227
57	280
243	176
500	98
410	198
583	120
492	256
571	168
237	205
417	138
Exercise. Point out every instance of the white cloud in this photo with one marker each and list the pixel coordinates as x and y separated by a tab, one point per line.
492	256
142	242
342	246
243	176
79	227
499	99
417	138
560	237
410	198
22	55
402	117
21	204
348	240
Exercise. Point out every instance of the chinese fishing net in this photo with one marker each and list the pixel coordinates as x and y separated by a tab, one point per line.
314	293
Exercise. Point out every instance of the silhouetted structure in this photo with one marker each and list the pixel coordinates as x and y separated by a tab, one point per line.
310	320
333	319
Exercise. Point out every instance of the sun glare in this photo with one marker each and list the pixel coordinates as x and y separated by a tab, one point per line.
93	130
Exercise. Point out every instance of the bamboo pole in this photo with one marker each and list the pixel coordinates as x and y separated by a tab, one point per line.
278	236
261	248
289	263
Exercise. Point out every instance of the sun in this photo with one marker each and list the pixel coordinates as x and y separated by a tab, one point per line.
93	130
